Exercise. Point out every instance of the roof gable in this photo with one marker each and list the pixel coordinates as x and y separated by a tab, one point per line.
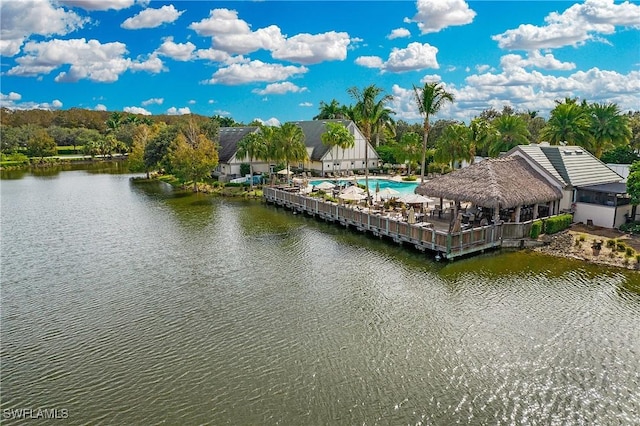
229	138
313	131
572	165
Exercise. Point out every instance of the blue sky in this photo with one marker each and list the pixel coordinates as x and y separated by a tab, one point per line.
275	61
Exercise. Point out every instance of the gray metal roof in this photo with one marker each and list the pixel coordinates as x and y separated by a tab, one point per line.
229	138
572	165
313	131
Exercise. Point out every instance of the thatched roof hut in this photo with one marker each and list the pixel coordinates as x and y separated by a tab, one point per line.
495	183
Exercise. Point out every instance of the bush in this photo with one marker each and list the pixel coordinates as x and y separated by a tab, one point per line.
411	178
629	252
582	237
611	243
536	229
557	223
632	227
621	246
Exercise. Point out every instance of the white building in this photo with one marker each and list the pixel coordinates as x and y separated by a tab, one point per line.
591	190
321	161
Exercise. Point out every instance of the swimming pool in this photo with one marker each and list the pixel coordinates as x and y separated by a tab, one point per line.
401	187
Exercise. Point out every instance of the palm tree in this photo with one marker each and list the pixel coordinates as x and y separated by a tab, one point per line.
337	135
512	131
382	122
409	149
331	111
483	135
454	145
289	144
430	99
367	112
608	127
568	123
252	146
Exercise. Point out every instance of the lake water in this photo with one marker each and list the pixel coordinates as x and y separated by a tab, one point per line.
125	303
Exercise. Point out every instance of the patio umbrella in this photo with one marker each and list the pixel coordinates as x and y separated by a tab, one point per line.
325	186
388	193
353	189
352	196
415	199
285	172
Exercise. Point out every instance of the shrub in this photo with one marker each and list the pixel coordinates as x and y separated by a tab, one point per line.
611	243
632	227
582	237
621	246
629	252
411	178
536	229
557	223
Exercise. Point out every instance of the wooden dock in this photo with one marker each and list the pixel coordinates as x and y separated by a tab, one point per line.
444	244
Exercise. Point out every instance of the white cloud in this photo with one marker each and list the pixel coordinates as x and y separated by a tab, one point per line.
99	4
482	68
211	101
312	49
178	111
12	96
100	107
305	104
177	51
234	35
254	71
576	25
136	110
416	56
370	61
21	19
87	59
152	101
430	78
435	15
280	89
152	65
152	18
273	122
399	33
212	55
10	101
537	60
191	102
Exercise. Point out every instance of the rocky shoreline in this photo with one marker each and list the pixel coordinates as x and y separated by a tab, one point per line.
578	245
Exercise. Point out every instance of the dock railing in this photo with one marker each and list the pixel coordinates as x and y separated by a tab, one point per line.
383	224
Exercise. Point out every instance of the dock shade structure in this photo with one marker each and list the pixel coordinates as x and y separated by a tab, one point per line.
497	184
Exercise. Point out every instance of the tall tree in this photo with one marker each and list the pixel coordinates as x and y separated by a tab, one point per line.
454	145
430	99
512	131
192	155
409	149
40	144
289	144
608	128
633	186
483	135
337	135
330	111
568	123
253	147
367	111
